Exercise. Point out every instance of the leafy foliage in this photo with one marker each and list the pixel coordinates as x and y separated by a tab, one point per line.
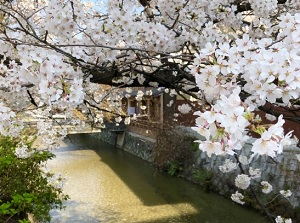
174	168
24	186
202	176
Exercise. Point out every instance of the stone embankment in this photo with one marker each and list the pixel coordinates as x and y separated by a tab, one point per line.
133	143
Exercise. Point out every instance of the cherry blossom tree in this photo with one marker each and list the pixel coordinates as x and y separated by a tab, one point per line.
232	56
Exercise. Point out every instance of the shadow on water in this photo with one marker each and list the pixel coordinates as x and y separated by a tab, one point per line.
156	189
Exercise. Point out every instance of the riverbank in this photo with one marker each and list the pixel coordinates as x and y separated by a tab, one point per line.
281	173
109	185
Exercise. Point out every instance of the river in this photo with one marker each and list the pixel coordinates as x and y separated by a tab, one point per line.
108	185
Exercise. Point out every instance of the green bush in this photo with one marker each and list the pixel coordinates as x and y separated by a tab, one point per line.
202	177
174	168
24	186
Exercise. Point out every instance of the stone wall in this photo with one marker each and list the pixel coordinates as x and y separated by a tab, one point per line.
106	136
140	146
133	143
283	172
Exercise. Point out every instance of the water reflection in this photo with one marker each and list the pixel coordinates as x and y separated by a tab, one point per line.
109	185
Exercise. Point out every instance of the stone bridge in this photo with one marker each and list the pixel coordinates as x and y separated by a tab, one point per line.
88	127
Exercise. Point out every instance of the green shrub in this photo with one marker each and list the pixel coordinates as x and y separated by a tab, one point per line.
24	186
202	177
174	168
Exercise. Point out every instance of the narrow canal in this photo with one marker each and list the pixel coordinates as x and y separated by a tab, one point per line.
108	185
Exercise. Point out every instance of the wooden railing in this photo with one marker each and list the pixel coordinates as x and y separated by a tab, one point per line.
145	127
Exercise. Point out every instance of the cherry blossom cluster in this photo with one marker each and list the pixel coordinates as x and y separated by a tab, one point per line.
272	140
270	73
9	125
239	59
238	197
50	136
184	108
263	8
223	126
22	151
280	219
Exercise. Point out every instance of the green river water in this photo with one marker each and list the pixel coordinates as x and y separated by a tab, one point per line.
108	185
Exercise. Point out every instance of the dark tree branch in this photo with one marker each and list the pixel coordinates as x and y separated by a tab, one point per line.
32	99
288	114
242	7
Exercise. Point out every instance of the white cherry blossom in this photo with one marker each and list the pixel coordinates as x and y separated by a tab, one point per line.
184	108
237	197
211	148
266	187
254	173
280	219
228	166
22	151
286	193
242	181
